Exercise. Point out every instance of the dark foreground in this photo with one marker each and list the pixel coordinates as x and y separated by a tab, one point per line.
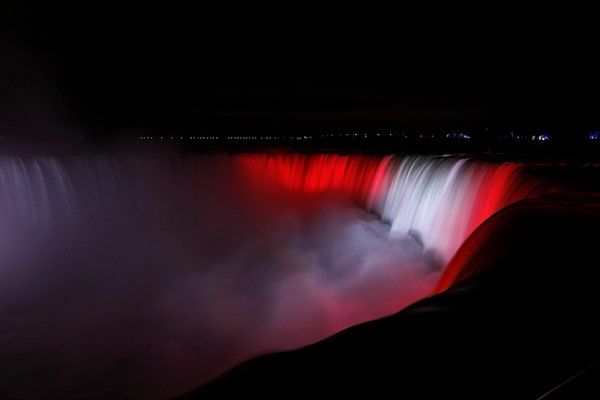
519	322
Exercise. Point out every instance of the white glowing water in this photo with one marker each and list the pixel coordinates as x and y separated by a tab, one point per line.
443	199
33	191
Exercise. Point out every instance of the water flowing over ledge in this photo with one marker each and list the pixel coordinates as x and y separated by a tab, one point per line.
439	199
172	269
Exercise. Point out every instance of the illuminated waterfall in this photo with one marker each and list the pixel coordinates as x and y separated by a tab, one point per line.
184	266
443	199
440	200
33	191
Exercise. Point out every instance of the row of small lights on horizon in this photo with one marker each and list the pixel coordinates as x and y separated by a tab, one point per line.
225	138
361	135
350	135
543	137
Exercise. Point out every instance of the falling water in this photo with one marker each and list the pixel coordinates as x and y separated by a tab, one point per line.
443	199
140	276
438	199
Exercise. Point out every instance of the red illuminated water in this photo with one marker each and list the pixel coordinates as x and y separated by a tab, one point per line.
441	200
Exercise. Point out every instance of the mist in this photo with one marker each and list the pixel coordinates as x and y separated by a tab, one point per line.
149	275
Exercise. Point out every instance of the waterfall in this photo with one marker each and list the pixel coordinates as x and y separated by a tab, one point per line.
438	199
443	199
149	275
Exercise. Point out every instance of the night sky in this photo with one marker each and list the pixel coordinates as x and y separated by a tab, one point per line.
109	72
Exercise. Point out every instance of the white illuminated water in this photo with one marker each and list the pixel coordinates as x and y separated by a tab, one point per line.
443	199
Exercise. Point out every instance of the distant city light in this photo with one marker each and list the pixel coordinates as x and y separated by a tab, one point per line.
542	138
